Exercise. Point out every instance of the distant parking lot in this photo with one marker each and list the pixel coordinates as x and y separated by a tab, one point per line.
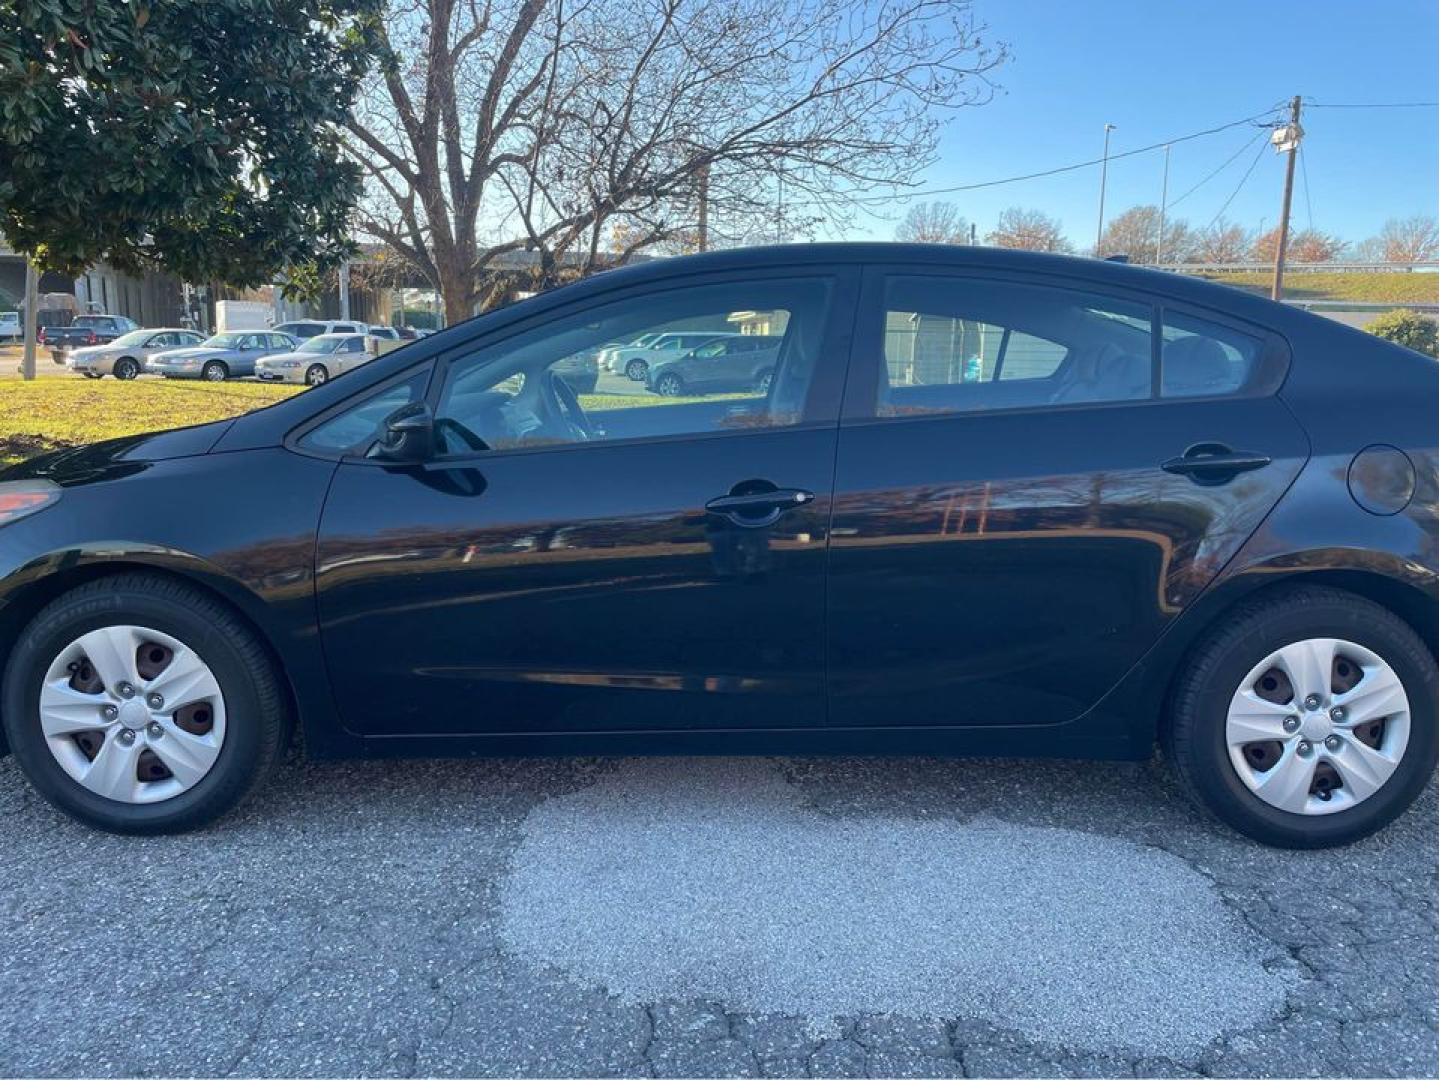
687	918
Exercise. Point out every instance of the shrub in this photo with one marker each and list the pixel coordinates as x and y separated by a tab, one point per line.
1408	328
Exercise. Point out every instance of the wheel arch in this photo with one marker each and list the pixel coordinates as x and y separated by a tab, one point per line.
1404	598
54	576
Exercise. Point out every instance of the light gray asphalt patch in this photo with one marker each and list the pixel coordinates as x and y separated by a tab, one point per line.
711	880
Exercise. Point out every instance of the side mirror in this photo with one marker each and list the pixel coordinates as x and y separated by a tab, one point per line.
409	434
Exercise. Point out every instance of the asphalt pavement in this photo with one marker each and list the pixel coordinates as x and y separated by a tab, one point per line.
702	918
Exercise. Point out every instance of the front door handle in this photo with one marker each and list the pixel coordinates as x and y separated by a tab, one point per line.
755	510
1214	463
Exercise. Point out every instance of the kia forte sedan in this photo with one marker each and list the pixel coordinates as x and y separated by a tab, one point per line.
988	502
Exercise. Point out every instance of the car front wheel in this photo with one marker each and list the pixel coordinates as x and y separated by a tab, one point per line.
126	369
1308	720
669	385
637	370
214	371
138	704
317	374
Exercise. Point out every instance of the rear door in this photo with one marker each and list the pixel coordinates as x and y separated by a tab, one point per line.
1033	479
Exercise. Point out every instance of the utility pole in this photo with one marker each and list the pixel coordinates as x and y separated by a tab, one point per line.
1103	179
1285	141
1163	203
703	230
345	290
32	303
973	234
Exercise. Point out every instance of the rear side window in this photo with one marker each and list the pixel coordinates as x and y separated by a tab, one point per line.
1200	358
965	344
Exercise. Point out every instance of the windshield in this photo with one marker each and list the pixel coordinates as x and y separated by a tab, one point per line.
325	343
134	337
222	341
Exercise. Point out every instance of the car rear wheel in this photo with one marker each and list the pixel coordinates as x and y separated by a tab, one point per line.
1308	720
214	371
316	374
669	385
637	370
126	368
140	705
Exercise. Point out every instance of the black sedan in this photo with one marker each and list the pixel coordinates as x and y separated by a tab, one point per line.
986	503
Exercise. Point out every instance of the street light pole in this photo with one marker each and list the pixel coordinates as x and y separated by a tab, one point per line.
1163	203
1103	179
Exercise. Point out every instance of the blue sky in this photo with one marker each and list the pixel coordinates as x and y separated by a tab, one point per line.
1165	68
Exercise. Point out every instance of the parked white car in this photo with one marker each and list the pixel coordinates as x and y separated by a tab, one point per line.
305	329
634	360
316	361
125	357
11	329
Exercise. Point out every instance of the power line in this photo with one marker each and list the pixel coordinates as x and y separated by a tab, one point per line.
1239	187
1082	164
1228	162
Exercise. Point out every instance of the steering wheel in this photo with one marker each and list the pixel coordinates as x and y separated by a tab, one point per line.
566	405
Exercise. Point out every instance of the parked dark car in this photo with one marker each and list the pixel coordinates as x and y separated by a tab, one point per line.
85	330
738	362
990	502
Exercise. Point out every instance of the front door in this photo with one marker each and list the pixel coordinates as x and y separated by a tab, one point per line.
605	561
1016	520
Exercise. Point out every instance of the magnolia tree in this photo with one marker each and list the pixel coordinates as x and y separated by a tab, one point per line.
556	126
202	139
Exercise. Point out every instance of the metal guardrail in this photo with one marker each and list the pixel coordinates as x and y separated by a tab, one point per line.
1300	268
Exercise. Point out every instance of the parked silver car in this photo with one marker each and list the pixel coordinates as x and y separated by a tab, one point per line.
125	357
316	361
634	360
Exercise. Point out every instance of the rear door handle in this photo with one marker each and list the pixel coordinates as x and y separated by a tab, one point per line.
1214	463
760	508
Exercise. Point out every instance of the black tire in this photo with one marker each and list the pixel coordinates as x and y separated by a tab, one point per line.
316	374
669	385
257	720
93	374
637	370
763	380
125	369
215	371
1194	737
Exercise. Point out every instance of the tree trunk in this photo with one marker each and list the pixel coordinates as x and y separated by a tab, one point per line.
457	290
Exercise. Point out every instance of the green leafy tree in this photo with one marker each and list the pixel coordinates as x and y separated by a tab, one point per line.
1408	328
198	137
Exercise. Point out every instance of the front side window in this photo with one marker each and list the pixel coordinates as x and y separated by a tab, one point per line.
357	428
546	387
964	344
1201	358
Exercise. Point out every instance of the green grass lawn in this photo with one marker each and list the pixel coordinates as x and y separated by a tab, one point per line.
55	412
1375	288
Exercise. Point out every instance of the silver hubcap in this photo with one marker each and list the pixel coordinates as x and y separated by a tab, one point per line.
1318	726
132	714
